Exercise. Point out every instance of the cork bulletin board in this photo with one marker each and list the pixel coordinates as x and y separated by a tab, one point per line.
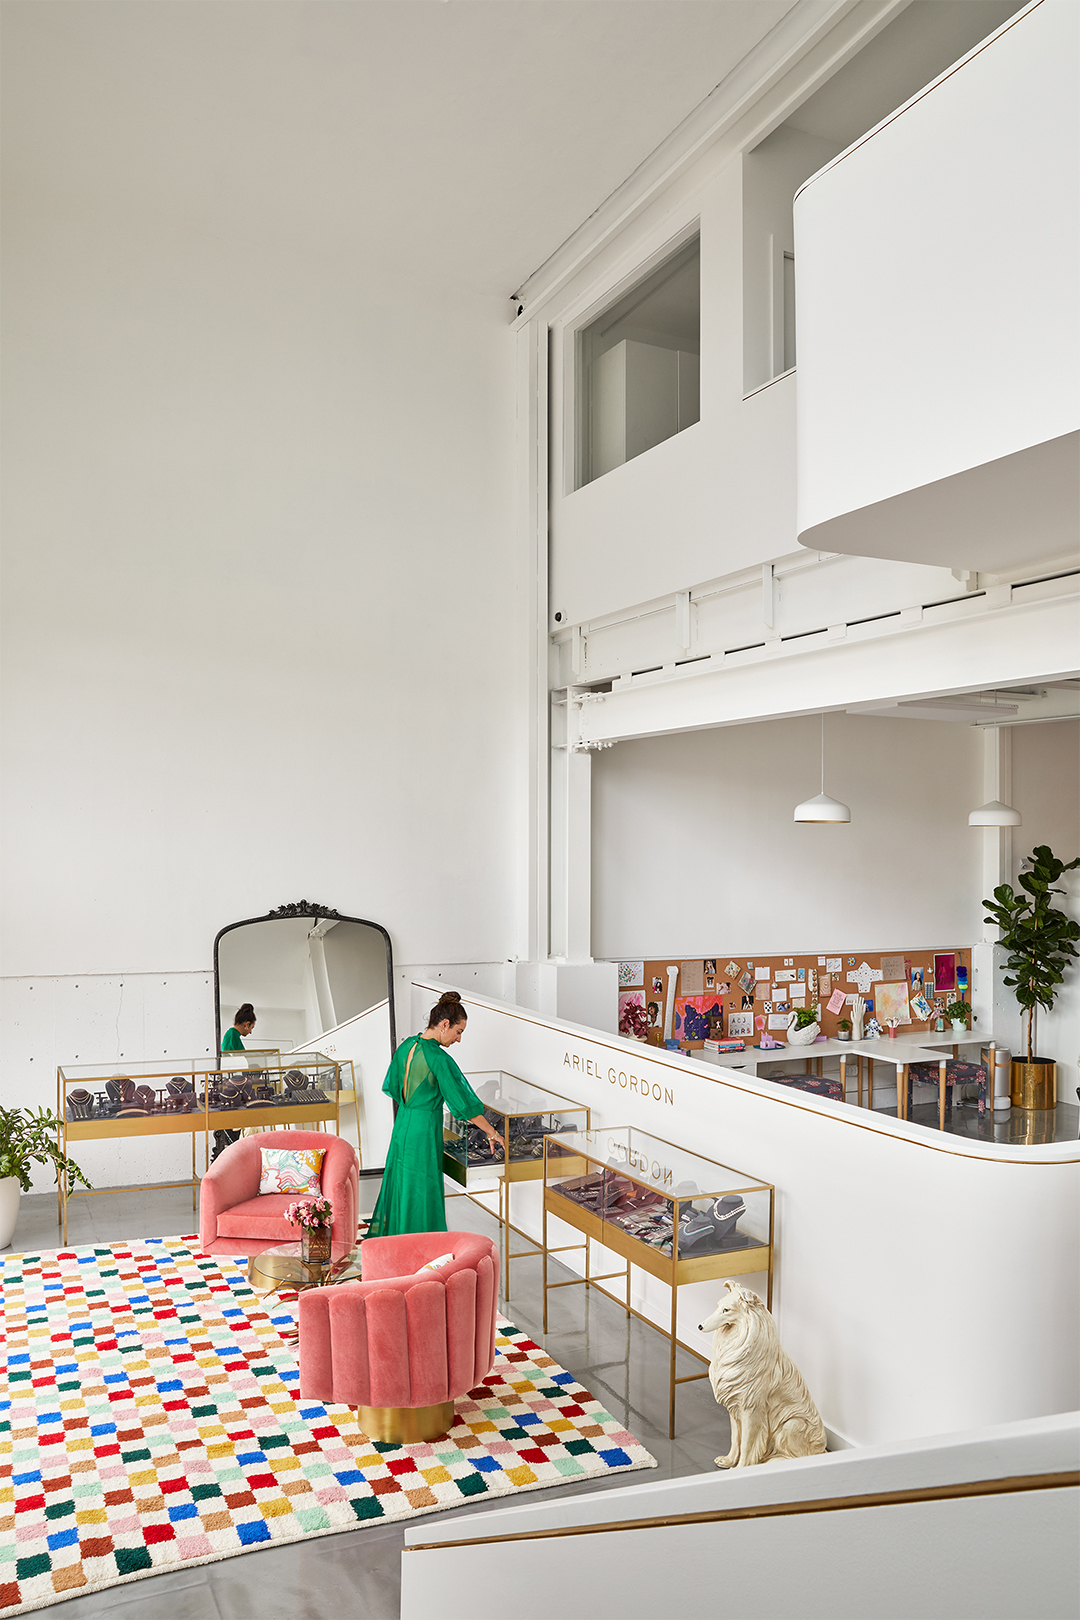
662	999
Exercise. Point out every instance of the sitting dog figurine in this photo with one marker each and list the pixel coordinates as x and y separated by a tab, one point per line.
771	1412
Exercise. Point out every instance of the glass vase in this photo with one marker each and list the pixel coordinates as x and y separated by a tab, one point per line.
315	1245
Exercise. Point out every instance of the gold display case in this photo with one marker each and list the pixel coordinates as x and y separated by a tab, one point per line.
675	1214
244	1091
523	1115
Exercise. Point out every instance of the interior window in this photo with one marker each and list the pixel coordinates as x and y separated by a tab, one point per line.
638	366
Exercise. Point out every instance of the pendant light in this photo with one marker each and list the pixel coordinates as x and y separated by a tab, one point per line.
821	807
995	814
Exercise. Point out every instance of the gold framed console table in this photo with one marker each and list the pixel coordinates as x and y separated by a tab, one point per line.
115	1102
678	1216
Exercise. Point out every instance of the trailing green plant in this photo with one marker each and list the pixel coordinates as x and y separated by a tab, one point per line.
1039	938
805	1016
29	1136
958	1011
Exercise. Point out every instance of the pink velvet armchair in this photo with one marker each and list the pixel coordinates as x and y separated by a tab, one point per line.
235	1219
402	1347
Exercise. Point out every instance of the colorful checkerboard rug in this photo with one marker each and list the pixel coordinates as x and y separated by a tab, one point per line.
151	1420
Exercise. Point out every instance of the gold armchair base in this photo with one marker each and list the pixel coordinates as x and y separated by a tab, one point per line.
405	1425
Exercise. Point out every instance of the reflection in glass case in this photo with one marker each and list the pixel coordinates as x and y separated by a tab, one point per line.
681	1217
524	1115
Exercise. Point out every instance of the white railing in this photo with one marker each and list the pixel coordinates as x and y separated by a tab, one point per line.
981	1524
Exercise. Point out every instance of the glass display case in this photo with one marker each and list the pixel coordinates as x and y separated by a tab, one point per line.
523	1115
245	1091
680	1217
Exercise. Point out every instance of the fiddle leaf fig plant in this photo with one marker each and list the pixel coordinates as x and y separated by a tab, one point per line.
28	1136
1039	938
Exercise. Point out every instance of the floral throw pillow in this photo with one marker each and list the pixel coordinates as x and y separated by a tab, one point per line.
291	1170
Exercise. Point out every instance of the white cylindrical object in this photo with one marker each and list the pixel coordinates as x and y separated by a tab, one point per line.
10	1190
1002	1062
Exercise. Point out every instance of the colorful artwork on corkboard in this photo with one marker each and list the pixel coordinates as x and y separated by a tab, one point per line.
749	983
891	1003
692	1016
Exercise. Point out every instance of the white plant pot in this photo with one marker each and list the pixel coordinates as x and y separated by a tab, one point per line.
958	1023
803	1037
10	1190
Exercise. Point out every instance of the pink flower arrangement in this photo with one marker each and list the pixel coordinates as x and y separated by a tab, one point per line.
310	1212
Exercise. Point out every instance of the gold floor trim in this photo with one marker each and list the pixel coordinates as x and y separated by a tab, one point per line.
405	1425
769	1510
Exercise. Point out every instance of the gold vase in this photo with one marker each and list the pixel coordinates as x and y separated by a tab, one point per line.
1034	1084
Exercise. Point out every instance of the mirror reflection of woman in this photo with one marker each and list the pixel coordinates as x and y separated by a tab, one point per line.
233	1041
423	1079
242	1024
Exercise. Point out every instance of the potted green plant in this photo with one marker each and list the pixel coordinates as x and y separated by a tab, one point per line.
1040	941
803	1027
28	1136
958	1014
843	1030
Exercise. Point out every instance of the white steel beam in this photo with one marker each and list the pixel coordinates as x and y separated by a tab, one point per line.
886	661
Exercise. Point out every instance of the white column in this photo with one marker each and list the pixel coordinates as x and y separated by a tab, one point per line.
997	862
571	837
532	454
993	1004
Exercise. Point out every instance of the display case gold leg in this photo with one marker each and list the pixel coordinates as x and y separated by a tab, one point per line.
671	1365
544	1259
943	1066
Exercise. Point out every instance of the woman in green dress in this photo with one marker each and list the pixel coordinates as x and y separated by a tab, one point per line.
232	1041
242	1024
423	1079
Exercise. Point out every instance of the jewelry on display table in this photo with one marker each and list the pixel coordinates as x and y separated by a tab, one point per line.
201	1101
678	1216
523	1115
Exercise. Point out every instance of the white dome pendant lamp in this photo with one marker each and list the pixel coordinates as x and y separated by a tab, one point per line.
995	814
821	807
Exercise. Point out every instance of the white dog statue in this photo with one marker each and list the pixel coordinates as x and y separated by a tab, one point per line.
771	1412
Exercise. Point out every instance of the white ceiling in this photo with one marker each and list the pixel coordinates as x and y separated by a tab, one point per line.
926	38
457	141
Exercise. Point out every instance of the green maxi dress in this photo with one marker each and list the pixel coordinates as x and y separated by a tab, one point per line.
421	1079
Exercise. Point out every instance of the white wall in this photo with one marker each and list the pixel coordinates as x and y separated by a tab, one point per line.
772	172
717	497
258	508
1046	791
695	849
938	332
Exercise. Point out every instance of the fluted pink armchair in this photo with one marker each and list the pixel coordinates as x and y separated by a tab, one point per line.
235	1219
402	1347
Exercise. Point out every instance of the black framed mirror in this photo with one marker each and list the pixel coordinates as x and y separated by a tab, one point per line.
307	970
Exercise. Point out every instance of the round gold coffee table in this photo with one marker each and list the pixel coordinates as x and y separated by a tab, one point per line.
283	1268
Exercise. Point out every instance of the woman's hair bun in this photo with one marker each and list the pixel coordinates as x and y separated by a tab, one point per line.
245	1014
449	1007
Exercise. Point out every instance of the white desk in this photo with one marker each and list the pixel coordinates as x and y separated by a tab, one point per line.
885	1049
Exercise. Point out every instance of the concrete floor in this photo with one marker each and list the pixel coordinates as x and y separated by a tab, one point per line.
357	1574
